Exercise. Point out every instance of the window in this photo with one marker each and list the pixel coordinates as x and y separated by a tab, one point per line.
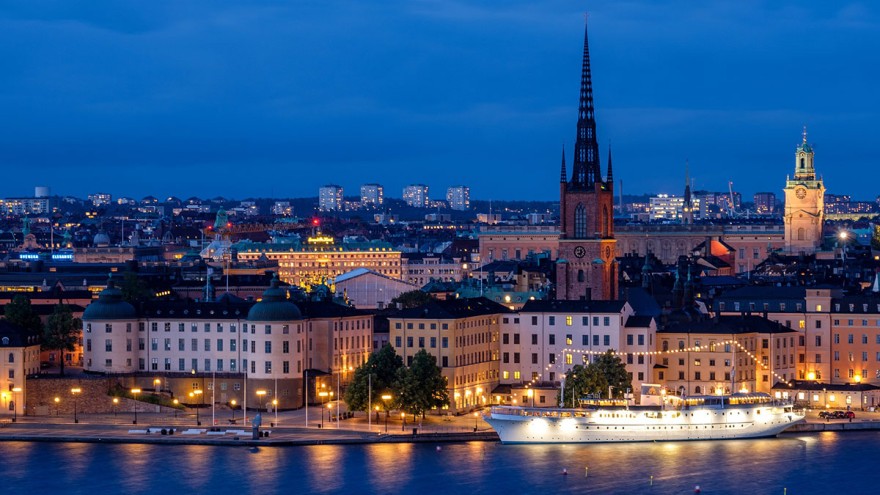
534	358
552	339
568	321
629	339
444	341
397	341
606	321
551	321
433	342
268	366
505	357
219	345
568	339
267	347
108	346
515	357
606	340
585	340
505	338
516	339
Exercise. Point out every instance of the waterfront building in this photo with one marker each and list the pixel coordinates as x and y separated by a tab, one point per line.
804	203
19	357
274	344
458	198
330	198
725	354
372	195
586	265
463	335
416	195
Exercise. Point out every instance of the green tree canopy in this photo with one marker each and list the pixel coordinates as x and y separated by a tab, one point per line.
19	312
61	331
134	289
412	299
595	378
382	366
422	386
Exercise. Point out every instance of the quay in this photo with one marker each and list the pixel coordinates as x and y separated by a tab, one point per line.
433	429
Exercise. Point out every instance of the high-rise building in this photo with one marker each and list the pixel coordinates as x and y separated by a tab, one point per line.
416	195
330	198
282	208
587	267
100	199
372	195
459	198
804	203
765	203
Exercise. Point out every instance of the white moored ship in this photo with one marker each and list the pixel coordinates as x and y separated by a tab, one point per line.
710	417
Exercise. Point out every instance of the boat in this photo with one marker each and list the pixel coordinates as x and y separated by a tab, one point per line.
659	418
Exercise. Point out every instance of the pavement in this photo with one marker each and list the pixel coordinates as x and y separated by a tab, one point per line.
287	428
291	428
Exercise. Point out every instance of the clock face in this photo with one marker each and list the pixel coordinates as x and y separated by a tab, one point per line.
580	252
800	192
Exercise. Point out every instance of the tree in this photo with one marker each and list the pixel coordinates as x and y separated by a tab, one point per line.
62	331
422	386
582	380
382	365
412	299
875	238
20	313
614	371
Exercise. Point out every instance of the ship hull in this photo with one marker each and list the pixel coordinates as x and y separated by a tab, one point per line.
520	425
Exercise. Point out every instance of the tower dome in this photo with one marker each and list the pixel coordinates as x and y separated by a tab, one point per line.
274	306
109	306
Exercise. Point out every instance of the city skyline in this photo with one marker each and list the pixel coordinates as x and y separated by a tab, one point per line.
171	101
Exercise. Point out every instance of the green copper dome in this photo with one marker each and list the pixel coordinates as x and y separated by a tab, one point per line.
274	306
109	306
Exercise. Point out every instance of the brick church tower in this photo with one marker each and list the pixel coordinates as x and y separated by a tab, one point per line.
586	268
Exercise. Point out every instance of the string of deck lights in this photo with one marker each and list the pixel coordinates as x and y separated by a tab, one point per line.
666	352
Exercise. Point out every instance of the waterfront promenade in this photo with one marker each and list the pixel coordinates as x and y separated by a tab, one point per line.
291	429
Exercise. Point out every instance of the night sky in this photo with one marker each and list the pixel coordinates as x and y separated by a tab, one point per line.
263	98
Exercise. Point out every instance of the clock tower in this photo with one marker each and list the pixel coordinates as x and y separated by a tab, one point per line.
804	204
587	267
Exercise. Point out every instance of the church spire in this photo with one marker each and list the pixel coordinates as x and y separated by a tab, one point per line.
610	178
586	171
562	177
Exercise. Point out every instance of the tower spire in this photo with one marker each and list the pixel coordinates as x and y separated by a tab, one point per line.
610	178
586	172
805	135
562	176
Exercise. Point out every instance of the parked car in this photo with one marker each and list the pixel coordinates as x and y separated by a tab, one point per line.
826	414
849	415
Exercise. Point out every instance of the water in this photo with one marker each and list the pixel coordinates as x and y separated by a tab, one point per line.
803	464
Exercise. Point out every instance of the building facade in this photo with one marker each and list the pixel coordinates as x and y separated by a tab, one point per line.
586	266
330	198
372	195
416	195
459	198
804	203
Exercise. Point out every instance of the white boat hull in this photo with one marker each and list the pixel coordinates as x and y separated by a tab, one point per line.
524	425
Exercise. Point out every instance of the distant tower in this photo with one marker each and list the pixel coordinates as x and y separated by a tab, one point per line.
804	203
687	208
586	207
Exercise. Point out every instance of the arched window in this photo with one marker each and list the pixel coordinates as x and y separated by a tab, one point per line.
11	357
801	234
580	221
698	390
803	162
580	275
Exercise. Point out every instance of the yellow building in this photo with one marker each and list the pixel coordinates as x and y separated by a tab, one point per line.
19	357
321	259
725	354
463	334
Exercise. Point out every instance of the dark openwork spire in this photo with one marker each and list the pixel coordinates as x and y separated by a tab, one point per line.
586	149
610	177
562	176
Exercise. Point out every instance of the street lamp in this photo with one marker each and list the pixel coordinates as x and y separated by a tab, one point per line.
403	420
260	393
157	385
194	393
75	391
232	404
385	399
15	392
57	400
115	403
134	392
176	402
531	394
476	420
323	395
275	408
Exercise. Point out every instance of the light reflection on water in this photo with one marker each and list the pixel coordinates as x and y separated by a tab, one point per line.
802	464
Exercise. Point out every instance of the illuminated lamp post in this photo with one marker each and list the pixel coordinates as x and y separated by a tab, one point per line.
135	392
261	394
323	395
232	404
385	399
75	391
115	404
15	392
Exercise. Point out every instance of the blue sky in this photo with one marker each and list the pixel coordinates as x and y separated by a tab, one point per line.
275	98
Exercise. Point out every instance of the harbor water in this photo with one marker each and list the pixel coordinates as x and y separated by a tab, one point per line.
828	462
